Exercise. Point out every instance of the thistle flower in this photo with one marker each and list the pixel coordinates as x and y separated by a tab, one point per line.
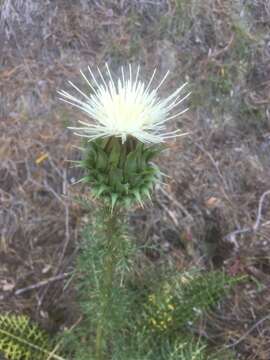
125	107
128	121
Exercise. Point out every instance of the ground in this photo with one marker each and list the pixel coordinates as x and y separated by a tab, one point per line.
212	211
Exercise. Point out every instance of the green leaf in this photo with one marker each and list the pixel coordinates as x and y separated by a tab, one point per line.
22	339
116	178
91	159
115	153
114	198
145	191
126	188
123	154
138	197
151	152
128	201
140	159
98	190
86	179
134	180
102	178
131	163
102	160
151	170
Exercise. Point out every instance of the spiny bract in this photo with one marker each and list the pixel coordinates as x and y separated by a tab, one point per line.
120	173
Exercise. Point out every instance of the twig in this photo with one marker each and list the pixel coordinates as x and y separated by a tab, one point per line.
259	215
207	153
41	283
267	317
176	202
255	227
67	233
169	212
223	50
49	188
37	285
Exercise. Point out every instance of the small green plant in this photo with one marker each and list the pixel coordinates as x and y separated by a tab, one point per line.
185	349
20	339
176	304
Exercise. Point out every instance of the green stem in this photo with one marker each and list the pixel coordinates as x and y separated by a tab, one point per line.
99	334
108	276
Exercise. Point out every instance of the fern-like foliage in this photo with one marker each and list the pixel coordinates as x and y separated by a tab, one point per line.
103	267
199	292
20	339
178	303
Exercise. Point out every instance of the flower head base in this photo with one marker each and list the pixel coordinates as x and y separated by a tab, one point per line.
125	107
119	173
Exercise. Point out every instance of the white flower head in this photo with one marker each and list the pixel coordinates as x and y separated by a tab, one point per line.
125	107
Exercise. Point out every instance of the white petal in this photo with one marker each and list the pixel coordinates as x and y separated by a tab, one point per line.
125	107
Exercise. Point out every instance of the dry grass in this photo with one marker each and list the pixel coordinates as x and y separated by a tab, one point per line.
38	217
211	213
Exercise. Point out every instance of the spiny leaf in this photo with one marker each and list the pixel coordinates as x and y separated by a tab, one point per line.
131	163
102	160
91	159
98	190
140	160
114	198
128	201
145	191
116	178
22	340
151	152
138	197
115	153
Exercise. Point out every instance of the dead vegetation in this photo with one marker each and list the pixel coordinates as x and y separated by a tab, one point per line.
213	211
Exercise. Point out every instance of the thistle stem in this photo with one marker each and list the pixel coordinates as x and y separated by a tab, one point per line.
107	279
99	354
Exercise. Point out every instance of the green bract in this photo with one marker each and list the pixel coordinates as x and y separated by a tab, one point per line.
120	173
